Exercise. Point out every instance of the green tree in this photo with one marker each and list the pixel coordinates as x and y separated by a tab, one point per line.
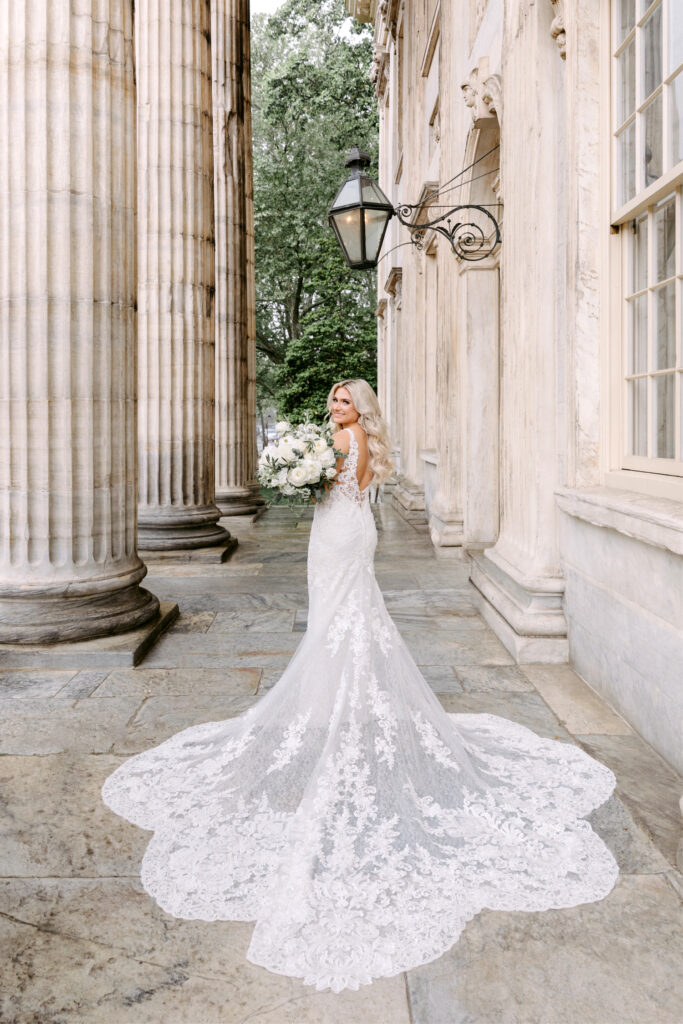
313	100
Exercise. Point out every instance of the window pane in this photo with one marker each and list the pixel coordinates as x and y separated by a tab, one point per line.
626	18
639	255
626	155
676	118
651	53
652	154
663	417
675	34
665	326
637	416
637	348
665	240
626	77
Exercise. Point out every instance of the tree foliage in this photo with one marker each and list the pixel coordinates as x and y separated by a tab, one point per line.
313	100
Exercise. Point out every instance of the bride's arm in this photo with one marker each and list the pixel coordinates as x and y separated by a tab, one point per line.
341	442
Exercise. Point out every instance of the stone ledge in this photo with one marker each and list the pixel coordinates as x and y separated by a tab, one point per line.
651	520
206	556
118	650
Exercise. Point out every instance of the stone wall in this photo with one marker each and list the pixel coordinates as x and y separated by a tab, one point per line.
567	562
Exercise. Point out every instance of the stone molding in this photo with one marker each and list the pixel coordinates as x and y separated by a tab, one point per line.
650	520
393	284
483	94
557	28
526	613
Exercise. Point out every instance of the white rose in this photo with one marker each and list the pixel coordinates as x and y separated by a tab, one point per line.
283	426
312	470
285	451
320	446
330	473
328	457
297	476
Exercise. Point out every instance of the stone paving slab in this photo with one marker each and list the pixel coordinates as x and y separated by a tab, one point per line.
501	678
90	947
612	962
53	821
53	725
649	787
161	717
526	708
173	682
576	704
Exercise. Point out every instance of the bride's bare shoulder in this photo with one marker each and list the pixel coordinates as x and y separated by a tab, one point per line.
359	433
341	440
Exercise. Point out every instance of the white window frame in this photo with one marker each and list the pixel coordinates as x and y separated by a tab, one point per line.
655	476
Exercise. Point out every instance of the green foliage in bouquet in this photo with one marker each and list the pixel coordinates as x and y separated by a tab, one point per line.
313	100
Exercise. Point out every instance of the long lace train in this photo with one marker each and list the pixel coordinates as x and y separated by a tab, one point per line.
350	817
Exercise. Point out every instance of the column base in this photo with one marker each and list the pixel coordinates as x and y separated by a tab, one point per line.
239	501
76	610
446	528
123	650
408	499
176	528
207	556
525	613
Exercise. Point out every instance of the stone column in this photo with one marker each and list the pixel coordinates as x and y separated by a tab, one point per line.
519	580
176	277
236	487
69	568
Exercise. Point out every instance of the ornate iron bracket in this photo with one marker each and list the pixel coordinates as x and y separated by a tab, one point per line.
468	239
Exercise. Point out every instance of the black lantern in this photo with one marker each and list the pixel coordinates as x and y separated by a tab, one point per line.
360	214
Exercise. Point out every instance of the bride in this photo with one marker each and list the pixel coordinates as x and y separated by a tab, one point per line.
350	817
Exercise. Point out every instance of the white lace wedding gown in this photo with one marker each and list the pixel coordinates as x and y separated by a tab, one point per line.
350	817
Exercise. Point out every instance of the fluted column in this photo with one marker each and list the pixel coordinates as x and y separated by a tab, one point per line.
236	488
68	562
176	277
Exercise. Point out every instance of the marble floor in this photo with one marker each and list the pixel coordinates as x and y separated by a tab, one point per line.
83	944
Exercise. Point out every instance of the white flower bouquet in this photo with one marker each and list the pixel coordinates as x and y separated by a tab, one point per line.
299	462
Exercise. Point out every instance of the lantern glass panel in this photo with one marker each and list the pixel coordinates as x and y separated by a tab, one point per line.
375	223
349	194
372	193
348	229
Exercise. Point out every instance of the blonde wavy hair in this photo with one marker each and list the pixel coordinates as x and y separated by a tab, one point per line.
371	420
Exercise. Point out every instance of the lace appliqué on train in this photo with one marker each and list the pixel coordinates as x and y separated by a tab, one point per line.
350	817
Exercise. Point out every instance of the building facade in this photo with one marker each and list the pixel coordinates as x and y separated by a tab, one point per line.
536	396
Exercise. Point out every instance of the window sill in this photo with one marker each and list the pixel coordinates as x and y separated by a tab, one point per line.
652	520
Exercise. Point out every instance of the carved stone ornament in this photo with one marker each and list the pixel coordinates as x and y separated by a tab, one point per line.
557	30
482	93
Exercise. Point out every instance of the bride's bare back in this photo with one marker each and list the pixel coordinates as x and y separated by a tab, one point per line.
342	442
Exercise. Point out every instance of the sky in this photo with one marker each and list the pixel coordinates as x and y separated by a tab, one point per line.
265	6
